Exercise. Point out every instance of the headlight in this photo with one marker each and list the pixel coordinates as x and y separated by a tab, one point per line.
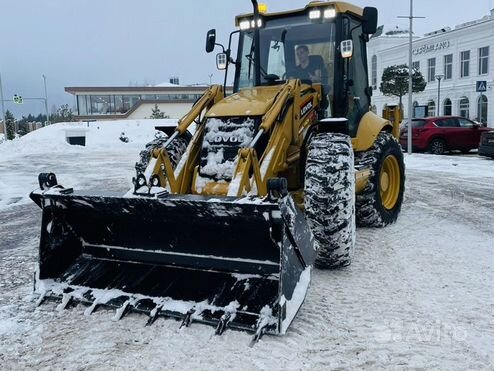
315	14
253	24
244	24
329	13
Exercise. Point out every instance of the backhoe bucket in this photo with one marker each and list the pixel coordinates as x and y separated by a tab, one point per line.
233	263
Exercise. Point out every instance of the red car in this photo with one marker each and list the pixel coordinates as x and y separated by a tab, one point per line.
441	134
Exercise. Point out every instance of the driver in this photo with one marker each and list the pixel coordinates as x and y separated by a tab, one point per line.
307	69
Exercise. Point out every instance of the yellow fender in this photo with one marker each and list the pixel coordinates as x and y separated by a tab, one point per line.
369	128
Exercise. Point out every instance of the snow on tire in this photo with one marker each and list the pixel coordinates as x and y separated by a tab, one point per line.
175	151
380	202
330	198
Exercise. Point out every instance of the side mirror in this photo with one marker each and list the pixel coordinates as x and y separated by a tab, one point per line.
369	20
346	48
221	61
210	40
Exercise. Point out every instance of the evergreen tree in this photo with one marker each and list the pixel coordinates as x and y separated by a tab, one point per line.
157	114
10	125
394	81
40	118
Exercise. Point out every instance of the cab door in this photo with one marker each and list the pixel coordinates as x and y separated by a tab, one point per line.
471	133
451	131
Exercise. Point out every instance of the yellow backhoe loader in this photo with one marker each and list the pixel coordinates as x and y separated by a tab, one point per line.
224	226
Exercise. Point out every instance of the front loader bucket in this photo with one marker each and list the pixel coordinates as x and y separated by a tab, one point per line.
237	263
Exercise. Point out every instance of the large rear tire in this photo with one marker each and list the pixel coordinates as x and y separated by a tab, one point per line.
380	202
330	198
175	151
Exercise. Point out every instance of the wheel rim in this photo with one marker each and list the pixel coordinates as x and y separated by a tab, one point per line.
437	146
389	182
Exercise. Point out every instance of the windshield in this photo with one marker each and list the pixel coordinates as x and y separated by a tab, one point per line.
292	47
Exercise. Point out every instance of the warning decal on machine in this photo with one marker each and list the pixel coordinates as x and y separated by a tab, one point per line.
306	107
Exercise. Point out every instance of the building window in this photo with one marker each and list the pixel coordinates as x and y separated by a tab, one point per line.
465	63
431	107
431	69
416	65
81	105
483	60
119	105
130	101
448	67
464	107
482	109
100	104
374	72
447	107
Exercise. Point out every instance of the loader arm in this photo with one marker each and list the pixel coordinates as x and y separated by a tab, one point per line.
284	120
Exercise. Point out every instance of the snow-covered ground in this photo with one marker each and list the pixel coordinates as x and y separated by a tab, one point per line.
419	293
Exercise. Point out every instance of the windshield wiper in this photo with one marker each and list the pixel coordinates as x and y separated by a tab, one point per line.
252	61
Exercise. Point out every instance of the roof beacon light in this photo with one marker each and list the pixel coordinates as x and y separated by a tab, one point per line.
262	8
315	14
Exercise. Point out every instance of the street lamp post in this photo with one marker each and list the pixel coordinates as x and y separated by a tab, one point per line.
410	79
410	75
3	108
46	101
439	78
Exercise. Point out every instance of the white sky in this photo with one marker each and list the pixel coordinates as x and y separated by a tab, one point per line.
114	42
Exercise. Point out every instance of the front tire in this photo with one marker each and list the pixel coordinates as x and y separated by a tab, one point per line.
330	198
380	202
175	151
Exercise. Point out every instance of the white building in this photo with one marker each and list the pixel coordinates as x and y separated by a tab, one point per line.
459	57
134	102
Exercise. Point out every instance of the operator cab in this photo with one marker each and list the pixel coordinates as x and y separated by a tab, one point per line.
324	43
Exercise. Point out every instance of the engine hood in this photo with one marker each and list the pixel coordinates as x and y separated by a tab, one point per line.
247	102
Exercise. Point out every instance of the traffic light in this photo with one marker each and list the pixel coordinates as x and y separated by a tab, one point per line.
17	99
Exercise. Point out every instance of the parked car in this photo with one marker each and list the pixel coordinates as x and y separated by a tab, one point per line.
486	145
441	134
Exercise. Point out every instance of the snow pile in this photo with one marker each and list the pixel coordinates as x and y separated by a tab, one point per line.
47	150
99	135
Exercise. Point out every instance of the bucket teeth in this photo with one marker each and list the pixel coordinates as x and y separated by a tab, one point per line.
66	300
153	315
187	319
261	330
122	311
41	298
89	310
223	323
